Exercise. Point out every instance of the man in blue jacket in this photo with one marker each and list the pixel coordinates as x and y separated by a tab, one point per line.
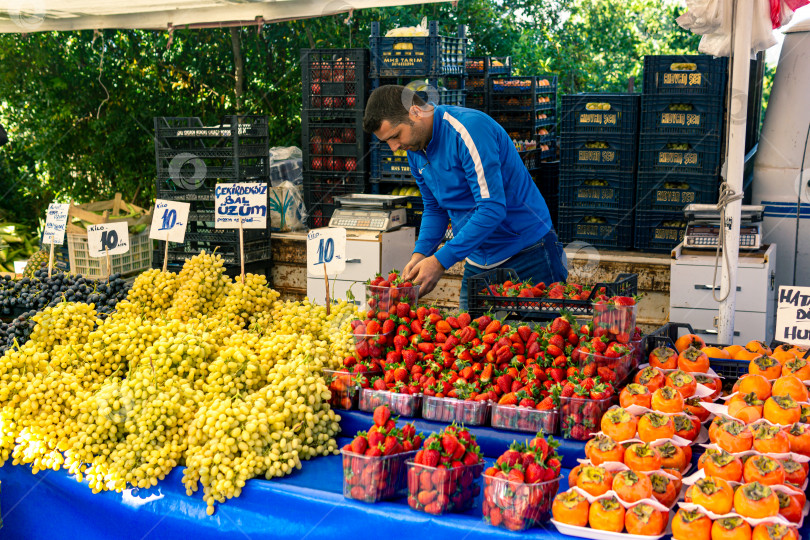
469	173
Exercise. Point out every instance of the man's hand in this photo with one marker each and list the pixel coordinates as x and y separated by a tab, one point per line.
427	273
408	272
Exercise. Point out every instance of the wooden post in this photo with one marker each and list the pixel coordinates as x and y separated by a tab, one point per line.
166	253
328	299
242	249
109	269
50	259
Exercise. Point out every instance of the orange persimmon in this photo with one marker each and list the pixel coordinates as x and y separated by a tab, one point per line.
713	494
733	349
594	480
667	399
766	366
602	448
721	464
606	515
798	367
716	352
714	427
663	489
710	382
677	480
745	407
572	476
642	457
570	508
799	438
790	385
689	340
756	384
686	426
791	506
693	360
635	394
673	456
759	347
783	353
651	377
770	439
731	528
693	406
782	410
663	357
683	382
795	472
691	525
653	426
756	501
631	486
774	531
645	520
763	469
618	424
734	437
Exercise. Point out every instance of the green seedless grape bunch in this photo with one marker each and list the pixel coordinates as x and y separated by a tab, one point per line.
191	369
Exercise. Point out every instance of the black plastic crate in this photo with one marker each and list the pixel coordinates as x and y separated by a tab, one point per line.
191	187
605	190
523	119
186	131
484	65
324	187
480	302
434	55
201	226
414	211
600	113
598	152
679	154
659	231
612	229
387	164
318	215
677	74
518	102
687	114
334	79
530	86
255	251
476	100
334	145
441	90
263	268
476	84
672	192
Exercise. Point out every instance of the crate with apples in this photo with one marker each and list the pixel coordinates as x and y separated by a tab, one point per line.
334	80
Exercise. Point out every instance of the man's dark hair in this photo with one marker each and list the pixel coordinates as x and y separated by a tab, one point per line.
3	136
388	103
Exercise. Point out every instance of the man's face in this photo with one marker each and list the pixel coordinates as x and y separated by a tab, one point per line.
413	135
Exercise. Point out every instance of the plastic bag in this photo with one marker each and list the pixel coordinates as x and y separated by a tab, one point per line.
410	31
290	170
718	42
282	153
703	16
287	209
762	28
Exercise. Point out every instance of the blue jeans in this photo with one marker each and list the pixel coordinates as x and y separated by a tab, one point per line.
543	262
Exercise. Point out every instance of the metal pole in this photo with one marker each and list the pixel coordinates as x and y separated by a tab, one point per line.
735	161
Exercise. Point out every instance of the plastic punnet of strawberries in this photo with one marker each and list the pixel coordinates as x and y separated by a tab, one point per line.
445	475
582	404
615	318
374	462
520	488
391	294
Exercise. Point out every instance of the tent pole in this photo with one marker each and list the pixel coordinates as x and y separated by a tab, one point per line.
735	161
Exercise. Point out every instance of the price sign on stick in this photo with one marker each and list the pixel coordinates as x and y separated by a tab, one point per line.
108	239
169	221
241	206
793	315
55	223
326	246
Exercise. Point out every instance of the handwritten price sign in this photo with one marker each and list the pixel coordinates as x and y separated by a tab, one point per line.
169	221
793	315
326	246
245	203
108	239
55	223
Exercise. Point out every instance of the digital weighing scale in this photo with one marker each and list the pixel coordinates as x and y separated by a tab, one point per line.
369	212
703	227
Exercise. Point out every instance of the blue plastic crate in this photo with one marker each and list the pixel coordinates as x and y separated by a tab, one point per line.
612	229
679	154
658	231
679	74
600	113
602	190
428	56
682	114
604	152
671	192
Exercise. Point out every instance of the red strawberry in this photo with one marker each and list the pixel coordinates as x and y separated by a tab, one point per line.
388	326
381	415
403	309
534	473
374	451
430	457
561	326
546	405
516	475
449	444
464	319
360	443
539	445
556	374
390	445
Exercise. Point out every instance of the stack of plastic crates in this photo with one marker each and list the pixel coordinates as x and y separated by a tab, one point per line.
192	158
335	147
434	66
681	146
599	141
479	70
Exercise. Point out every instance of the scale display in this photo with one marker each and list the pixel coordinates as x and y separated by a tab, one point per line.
368	220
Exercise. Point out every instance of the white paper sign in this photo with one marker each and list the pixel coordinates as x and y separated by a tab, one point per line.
793	315
170	218
19	266
55	223
245	202
327	245
108	238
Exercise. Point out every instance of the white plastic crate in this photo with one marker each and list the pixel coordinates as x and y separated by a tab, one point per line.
137	259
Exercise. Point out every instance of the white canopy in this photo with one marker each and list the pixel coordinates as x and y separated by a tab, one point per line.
25	16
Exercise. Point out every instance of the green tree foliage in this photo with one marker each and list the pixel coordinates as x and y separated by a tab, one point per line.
79	105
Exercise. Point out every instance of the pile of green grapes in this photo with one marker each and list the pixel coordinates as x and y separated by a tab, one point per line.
192	369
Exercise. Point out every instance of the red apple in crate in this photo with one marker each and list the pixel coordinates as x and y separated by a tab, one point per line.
350	164
337	102
331	144
350	101
317	163
325	73
315	88
348	135
328	102
316	144
316	102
